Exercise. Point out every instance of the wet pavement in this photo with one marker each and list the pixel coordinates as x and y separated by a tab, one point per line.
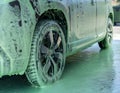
90	71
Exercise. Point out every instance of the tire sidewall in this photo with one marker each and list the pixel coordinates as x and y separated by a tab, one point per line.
42	30
107	41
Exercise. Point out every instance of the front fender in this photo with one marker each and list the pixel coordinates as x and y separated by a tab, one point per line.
41	6
17	22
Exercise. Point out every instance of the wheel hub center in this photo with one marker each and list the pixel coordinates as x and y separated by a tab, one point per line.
50	52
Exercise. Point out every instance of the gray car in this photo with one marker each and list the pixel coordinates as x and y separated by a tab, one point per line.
36	36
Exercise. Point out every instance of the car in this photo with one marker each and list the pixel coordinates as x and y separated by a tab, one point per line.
116	9
36	36
116	14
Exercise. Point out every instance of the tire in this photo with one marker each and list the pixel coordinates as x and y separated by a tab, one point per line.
106	42
48	54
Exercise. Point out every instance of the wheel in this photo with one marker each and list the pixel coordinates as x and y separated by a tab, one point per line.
106	42
48	54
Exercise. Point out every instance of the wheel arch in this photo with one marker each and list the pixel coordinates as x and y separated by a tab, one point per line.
111	17
53	10
56	15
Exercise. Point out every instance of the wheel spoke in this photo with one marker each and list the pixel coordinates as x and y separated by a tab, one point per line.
51	38
44	49
110	28
109	31
110	35
59	57
55	66
47	66
58	42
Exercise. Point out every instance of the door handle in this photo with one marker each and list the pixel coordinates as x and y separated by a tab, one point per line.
92	2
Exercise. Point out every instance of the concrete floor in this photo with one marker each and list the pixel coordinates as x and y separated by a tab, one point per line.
90	71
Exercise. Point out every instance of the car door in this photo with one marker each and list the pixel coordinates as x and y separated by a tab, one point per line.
76	19
101	16
77	14
89	18
83	21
